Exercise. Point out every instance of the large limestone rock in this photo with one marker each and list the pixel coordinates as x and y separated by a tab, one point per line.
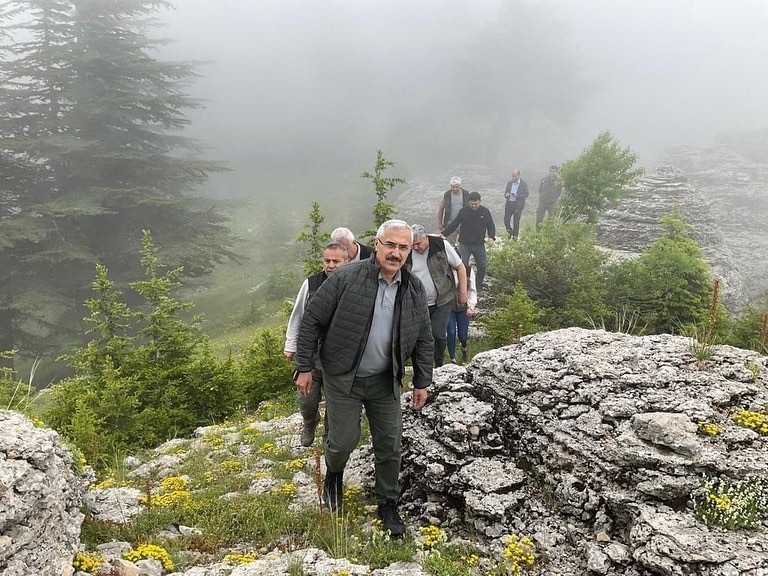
40	500
587	441
631	226
732	177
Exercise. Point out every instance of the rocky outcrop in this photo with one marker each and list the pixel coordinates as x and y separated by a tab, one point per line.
588	441
732	177
40	500
634	224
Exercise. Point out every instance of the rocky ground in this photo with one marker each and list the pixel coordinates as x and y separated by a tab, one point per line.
591	443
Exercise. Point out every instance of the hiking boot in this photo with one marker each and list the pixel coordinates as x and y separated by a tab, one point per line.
390	519
308	432
333	490
464	353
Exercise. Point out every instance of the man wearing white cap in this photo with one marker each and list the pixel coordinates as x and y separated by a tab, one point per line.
453	201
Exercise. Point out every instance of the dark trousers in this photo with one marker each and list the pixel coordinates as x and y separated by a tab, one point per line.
457	322
478	251
438	316
513	211
381	399
545	207
309	405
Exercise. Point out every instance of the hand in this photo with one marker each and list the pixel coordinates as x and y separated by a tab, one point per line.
462	297
304	382
470	311
489	241
419	398
288	355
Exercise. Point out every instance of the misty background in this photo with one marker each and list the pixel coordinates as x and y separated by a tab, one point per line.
300	94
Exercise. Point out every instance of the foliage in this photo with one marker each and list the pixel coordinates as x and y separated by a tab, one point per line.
668	285
382	210
750	330
91	153
623	320
560	269
265	370
146	551
596	179
315	241
88	561
732	505
147	374
518	315
757	421
516	556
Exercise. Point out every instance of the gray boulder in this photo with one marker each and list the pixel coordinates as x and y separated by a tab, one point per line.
40	498
587	441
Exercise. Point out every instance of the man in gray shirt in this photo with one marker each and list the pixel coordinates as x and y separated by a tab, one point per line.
372	316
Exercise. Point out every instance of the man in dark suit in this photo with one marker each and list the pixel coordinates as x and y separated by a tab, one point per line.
515	193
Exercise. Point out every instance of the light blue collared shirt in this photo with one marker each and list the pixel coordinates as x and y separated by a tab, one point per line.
377	356
513	191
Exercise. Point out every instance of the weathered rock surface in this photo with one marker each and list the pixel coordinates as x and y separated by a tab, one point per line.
587	441
634	224
40	500
732	177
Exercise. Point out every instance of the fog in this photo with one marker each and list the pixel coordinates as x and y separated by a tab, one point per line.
304	91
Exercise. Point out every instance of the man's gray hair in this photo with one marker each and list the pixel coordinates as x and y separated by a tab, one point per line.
418	231
342	235
337	246
394	225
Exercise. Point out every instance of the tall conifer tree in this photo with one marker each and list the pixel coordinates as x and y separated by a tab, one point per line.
90	129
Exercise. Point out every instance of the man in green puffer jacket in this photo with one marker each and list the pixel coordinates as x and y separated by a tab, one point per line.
369	317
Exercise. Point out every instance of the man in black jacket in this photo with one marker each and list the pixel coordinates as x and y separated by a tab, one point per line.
355	250
515	194
334	256
475	221
370	316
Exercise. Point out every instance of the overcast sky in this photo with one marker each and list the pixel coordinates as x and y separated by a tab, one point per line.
310	86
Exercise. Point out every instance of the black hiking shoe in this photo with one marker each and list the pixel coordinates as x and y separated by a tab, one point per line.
333	490
390	519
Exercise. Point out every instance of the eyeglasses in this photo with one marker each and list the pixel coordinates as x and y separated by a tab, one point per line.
394	246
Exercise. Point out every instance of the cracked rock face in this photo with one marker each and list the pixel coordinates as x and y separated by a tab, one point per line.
631	226
40	500
588	442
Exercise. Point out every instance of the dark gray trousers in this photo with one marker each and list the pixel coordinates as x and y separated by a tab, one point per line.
381	399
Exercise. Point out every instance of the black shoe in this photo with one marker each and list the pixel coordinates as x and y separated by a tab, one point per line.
390	519
333	490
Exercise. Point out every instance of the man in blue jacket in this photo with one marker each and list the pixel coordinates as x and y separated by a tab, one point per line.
370	316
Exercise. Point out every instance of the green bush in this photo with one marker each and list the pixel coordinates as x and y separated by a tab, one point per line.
518	315
561	270
265	372
669	285
596	179
147	375
750	330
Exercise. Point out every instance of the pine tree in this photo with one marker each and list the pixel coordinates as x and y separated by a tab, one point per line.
382	210
90	134
315	240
